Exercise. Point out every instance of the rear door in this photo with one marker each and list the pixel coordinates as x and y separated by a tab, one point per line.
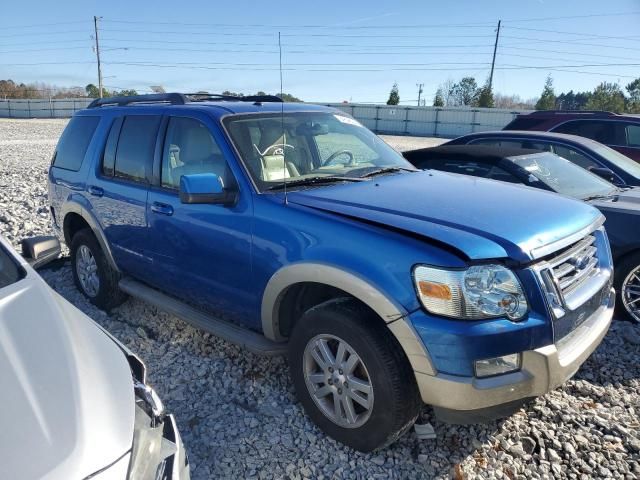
631	146
120	187
202	252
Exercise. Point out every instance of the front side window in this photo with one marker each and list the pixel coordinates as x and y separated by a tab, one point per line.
299	146
474	168
618	159
190	148
562	176
74	142
9	270
136	146
575	157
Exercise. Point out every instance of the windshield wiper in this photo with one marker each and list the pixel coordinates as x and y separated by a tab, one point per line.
600	196
315	181
382	170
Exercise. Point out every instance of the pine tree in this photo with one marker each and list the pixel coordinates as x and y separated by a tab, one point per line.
438	100
548	98
485	97
607	96
394	95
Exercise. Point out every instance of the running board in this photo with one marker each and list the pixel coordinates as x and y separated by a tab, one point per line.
231	332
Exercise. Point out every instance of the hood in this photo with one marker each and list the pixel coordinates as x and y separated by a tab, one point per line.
480	218
67	392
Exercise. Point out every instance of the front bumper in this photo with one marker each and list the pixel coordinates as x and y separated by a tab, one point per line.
543	369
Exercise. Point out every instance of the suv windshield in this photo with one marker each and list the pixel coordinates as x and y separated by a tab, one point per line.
564	177
309	148
9	271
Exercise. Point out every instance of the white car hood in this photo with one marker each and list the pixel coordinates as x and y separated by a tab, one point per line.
66	390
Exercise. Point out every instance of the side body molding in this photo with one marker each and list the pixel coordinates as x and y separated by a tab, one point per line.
72	205
394	315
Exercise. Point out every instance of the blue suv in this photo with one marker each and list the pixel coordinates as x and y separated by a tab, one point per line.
292	229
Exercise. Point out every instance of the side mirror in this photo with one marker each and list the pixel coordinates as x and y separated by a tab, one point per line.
605	173
38	251
205	188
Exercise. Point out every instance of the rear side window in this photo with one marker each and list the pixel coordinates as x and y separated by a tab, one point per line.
74	142
136	146
598	130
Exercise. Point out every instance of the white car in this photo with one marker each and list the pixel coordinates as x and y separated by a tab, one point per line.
74	403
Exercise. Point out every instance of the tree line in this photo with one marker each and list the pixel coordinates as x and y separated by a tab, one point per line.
466	92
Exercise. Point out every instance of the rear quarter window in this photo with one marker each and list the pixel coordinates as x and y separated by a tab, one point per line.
73	144
524	123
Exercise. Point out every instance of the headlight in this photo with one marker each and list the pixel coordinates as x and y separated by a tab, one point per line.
481	291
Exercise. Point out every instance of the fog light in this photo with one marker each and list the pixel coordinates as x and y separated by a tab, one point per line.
498	365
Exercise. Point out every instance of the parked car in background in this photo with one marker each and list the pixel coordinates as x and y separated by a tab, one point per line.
620	132
292	229
547	171
604	161
75	402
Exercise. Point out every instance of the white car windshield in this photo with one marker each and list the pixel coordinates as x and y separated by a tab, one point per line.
300	148
564	177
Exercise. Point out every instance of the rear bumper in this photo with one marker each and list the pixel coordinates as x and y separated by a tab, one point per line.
543	369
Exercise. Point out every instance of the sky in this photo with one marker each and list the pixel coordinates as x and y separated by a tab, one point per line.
332	51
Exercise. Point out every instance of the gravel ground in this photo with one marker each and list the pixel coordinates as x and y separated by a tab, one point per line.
239	417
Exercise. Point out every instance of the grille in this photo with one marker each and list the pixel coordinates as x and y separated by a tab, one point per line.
572	267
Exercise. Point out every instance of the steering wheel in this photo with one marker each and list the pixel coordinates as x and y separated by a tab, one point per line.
334	155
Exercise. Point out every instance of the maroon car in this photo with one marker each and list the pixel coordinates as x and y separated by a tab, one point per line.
620	132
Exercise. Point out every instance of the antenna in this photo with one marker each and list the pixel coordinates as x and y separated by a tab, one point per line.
284	138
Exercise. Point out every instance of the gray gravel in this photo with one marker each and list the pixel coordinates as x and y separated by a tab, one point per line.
239	417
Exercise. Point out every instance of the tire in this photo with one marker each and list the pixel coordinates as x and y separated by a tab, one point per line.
627	274
395	400
103	293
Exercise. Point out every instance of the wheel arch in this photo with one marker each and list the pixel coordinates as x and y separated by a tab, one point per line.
75	213
392	314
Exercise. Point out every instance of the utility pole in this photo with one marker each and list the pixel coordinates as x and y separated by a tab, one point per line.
95	26
493	62
419	85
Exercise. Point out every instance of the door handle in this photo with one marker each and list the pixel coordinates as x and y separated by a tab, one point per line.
95	191
162	208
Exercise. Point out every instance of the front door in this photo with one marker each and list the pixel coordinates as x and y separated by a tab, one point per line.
201	252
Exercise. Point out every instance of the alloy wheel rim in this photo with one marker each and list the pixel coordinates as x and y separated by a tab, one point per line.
87	270
631	293
338	381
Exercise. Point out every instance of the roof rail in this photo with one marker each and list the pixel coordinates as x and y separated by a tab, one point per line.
179	99
603	113
171	98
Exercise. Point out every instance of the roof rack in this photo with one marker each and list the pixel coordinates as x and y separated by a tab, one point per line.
178	99
603	113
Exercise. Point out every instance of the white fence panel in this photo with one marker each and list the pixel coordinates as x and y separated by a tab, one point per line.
42	107
428	121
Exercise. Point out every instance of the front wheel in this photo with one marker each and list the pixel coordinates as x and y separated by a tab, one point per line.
627	283
352	376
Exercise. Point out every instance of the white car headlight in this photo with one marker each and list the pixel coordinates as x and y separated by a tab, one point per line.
481	291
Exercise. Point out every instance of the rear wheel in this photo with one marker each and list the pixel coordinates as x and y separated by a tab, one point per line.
352	376
92	273
627	283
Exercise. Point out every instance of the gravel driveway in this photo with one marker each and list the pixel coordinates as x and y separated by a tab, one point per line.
239	417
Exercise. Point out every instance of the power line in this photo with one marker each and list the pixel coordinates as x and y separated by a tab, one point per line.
54	24
41	33
591	15
569	42
292	35
565	52
589	35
